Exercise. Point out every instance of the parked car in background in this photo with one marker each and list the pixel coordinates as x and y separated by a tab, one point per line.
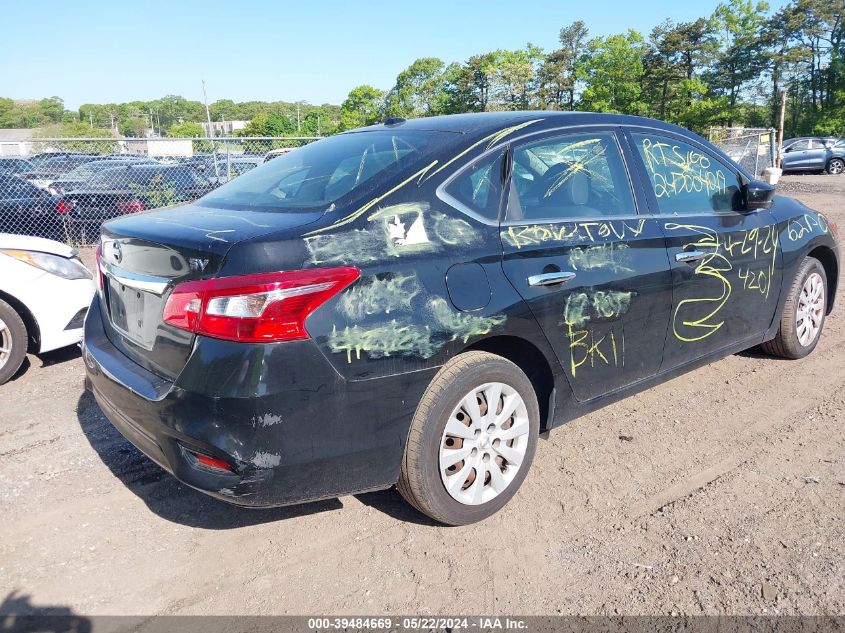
55	167
39	159
45	292
128	189
813	154
415	303
11	165
232	167
79	176
25	209
275	153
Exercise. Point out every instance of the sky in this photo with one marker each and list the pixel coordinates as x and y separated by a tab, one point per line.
105	52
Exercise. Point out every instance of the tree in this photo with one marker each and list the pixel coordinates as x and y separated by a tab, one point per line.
558	73
740	58
515	80
613	72
187	129
362	107
419	89
268	124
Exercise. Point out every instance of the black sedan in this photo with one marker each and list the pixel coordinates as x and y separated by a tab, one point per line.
53	168
82	174
129	188
414	303
12	165
25	209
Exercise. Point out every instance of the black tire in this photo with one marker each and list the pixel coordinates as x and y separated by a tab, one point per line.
835	166
786	343
420	482
18	338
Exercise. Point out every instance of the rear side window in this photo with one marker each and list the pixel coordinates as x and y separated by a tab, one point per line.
479	186
686	179
320	173
572	176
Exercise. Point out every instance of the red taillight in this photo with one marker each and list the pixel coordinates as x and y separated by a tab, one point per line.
64	207
255	308
130	206
212	462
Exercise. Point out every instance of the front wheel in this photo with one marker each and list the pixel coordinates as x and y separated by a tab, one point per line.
472	439
835	166
13	341
803	315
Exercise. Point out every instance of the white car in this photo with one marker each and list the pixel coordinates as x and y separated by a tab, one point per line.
45	291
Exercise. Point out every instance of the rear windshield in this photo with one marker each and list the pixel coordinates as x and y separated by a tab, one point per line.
318	174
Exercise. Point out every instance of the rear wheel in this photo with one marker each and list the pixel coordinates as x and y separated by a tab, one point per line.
803	315
13	341
472	439
835	166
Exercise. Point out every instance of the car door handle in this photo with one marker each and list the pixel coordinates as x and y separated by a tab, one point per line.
550	279
689	256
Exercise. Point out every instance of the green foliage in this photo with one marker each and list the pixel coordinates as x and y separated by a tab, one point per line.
269	124
187	129
157	192
362	107
612	71
78	130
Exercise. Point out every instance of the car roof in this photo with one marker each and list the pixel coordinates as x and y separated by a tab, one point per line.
481	125
481	122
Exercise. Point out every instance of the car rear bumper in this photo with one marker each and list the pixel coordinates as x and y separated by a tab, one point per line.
289	426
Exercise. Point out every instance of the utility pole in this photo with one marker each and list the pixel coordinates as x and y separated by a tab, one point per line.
91	118
780	126
210	130
298	127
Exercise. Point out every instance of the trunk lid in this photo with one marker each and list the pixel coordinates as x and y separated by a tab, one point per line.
144	255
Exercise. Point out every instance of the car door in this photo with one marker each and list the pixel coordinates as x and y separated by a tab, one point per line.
816	155
795	156
726	271
593	270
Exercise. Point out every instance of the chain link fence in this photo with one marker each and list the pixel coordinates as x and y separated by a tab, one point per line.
64	189
753	148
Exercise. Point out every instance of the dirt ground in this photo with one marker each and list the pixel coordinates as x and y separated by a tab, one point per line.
728	499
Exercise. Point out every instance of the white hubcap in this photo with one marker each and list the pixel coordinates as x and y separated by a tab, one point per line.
811	305
5	343
484	443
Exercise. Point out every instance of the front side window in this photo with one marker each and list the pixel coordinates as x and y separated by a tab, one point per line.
686	179
568	177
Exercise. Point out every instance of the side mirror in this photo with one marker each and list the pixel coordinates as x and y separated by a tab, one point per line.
786	150
757	195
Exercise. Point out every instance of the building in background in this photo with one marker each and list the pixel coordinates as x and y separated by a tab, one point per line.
223	128
16	141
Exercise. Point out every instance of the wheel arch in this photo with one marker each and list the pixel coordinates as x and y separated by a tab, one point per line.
33	332
528	357
829	262
831	159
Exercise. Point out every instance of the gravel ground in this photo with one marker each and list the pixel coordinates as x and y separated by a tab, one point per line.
728	499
